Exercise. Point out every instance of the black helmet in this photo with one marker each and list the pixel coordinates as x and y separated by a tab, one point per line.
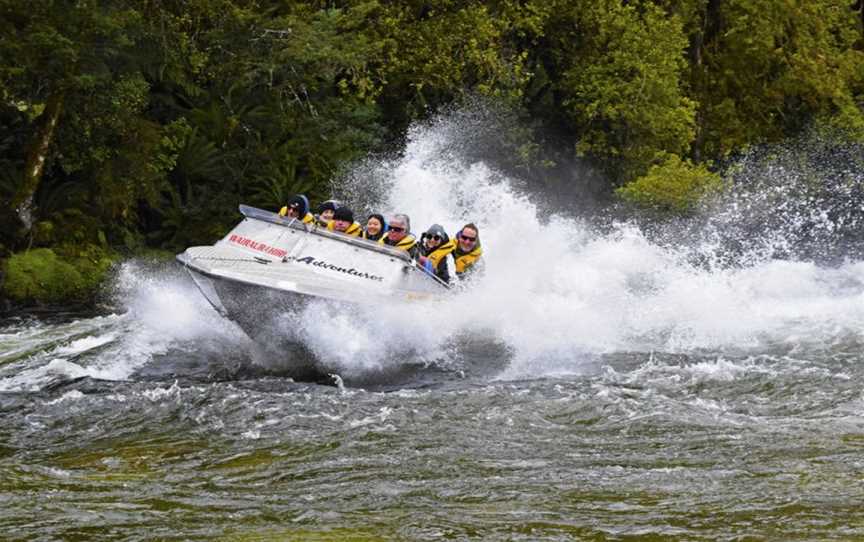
437	229
300	203
331	204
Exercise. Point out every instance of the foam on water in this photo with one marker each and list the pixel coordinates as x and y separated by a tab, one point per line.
164	311
160	311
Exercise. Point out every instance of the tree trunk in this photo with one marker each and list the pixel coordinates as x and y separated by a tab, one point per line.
711	25
34	165
859	7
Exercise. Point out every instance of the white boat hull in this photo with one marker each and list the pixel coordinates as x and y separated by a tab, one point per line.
267	263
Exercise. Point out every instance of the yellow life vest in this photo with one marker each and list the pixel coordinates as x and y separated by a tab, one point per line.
308	219
406	243
365	235
441	252
466	260
353	230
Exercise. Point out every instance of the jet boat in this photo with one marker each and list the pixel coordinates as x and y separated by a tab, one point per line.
271	263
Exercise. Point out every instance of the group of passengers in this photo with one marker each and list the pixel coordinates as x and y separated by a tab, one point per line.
430	252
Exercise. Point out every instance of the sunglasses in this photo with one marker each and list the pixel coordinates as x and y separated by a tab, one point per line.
466	238
434	237
397	229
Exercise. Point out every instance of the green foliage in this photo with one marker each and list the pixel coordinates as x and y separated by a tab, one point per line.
93	262
674	185
175	112
436	51
39	275
767	68
43	276
618	69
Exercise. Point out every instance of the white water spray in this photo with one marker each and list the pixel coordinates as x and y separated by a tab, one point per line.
160	312
556	296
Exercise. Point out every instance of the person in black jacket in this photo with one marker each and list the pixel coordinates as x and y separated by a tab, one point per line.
435	245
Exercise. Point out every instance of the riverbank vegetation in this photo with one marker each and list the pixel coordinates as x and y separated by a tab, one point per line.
133	125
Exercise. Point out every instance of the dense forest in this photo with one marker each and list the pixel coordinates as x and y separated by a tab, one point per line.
133	125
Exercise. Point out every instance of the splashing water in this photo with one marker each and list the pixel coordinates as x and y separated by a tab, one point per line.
162	316
558	295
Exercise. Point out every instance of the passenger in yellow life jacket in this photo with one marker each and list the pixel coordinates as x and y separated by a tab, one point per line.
343	222
435	245
375	228
297	208
326	211
467	254
399	236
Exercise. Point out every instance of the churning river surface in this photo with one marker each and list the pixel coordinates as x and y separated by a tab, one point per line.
604	383
192	441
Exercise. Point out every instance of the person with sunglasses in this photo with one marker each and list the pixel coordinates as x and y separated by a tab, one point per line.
298	209
399	235
467	254
434	247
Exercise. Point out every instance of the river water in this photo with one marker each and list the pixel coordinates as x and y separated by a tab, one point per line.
603	382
